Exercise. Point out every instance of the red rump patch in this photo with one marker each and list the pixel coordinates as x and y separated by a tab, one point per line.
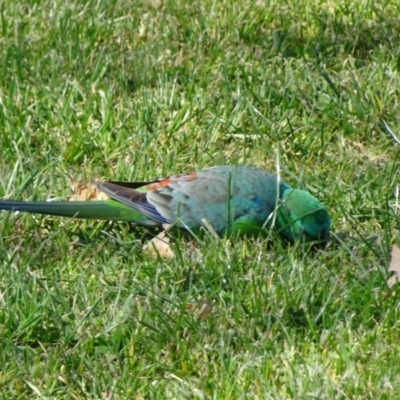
187	177
165	182
158	185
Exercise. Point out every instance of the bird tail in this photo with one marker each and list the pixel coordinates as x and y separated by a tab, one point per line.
100	209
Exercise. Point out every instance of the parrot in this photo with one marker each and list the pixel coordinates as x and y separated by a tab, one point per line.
231	199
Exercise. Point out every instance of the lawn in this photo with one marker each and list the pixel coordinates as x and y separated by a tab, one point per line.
132	90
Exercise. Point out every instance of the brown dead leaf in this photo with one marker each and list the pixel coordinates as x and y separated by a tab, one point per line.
159	247
85	191
203	308
394	266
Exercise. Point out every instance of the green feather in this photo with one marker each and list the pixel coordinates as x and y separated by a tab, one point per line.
100	209
299	213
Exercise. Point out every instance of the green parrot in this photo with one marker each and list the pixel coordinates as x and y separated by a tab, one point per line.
232	199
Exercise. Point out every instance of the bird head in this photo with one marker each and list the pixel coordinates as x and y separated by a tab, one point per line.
301	215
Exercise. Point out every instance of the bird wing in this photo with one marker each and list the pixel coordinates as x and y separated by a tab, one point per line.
219	195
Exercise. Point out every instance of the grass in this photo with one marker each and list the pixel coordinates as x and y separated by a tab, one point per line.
135	90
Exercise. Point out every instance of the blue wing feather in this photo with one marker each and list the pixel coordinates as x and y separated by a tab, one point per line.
132	198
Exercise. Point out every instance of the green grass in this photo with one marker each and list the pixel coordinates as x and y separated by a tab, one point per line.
135	90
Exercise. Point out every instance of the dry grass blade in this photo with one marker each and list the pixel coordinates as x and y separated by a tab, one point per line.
394	266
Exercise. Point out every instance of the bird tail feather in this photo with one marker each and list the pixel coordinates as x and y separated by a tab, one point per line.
100	209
